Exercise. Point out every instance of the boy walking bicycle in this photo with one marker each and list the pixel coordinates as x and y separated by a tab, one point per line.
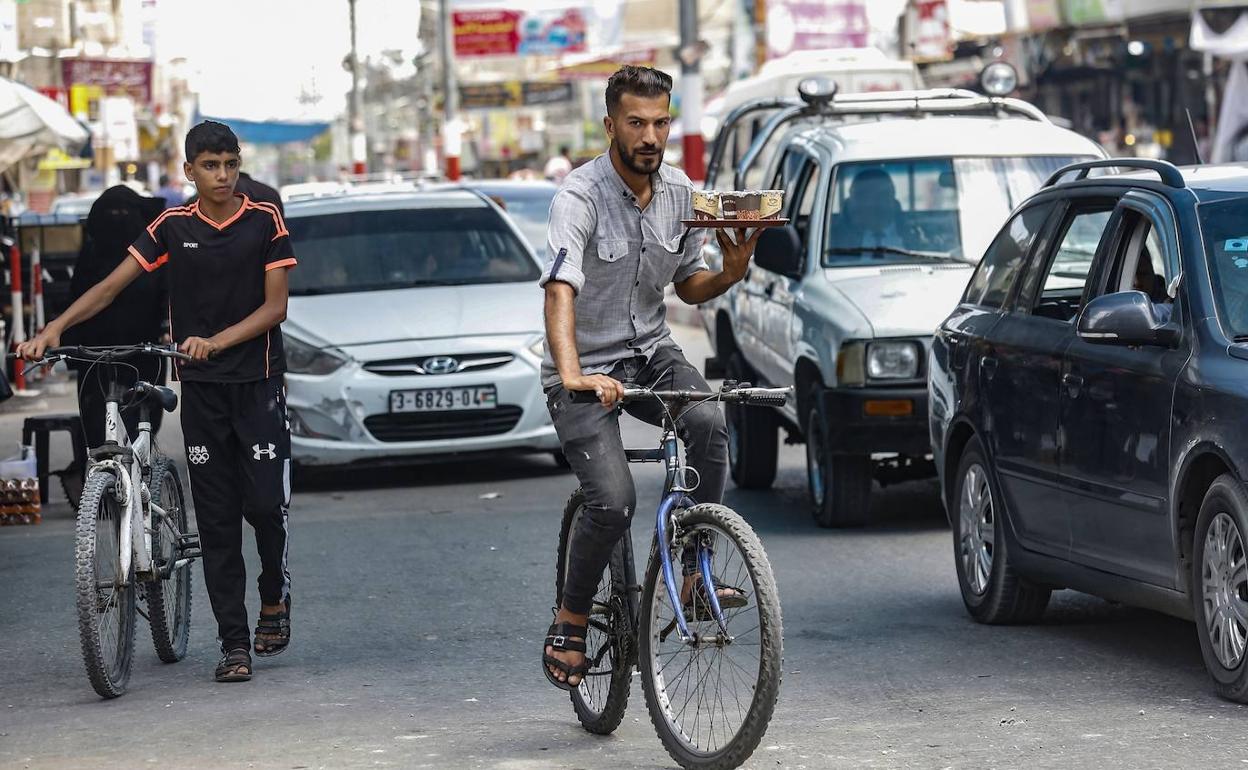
227	257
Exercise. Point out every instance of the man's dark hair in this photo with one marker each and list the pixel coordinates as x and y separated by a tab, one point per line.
209	136
646	82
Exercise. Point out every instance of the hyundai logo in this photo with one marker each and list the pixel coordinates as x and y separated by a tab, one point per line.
440	365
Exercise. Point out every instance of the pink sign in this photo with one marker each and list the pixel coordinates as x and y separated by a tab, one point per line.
805	25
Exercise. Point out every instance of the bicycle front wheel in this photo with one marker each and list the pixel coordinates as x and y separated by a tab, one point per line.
711	698
169	599
602	697
105	597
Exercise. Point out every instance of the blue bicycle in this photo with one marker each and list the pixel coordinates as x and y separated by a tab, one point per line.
710	670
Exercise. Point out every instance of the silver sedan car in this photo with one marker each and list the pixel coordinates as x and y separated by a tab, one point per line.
414	330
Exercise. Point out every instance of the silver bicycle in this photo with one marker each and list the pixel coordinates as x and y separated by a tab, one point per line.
133	540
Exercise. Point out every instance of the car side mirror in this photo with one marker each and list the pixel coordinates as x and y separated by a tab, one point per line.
779	250
1127	318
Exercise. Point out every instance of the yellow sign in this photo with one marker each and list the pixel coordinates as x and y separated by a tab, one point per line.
57	160
81	97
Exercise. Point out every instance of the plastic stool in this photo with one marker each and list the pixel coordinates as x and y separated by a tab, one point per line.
38	428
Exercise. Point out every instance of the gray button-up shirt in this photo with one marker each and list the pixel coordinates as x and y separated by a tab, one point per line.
619	258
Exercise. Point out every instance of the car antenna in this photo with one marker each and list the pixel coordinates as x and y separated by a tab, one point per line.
1195	143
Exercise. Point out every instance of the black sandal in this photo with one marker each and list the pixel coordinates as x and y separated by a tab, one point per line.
559	636
235	666
735	599
277	624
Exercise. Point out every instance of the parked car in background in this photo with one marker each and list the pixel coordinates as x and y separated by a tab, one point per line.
891	199
527	203
1087	404
413	330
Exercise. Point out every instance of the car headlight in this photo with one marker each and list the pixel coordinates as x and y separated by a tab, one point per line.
538	347
892	360
302	358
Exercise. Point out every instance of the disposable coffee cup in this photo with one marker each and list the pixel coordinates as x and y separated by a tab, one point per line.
730	203
748	204
771	205
705	204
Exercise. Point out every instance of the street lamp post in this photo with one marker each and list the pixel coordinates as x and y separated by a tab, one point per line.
359	144
691	90
451	138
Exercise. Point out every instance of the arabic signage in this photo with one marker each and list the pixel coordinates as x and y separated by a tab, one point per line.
114	77
550	31
805	25
933	39
513	93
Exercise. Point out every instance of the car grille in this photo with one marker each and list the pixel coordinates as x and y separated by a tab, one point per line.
468	362
439	426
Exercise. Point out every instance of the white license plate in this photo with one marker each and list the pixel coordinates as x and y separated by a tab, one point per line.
444	399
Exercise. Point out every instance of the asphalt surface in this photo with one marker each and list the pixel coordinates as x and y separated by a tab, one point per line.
422	595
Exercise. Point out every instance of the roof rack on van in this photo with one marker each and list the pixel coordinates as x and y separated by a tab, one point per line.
1169	173
937	101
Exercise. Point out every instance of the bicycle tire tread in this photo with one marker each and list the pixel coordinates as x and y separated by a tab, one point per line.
771	646
85	593
168	649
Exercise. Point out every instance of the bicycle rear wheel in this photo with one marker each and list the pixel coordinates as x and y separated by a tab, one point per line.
711	702
169	599
602	698
105	597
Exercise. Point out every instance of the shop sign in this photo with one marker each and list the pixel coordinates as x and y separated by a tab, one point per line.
512	94
114	77
1077	12
933	38
1043	14
601	69
805	25
548	32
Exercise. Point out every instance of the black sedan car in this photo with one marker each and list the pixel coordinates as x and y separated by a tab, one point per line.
1089	404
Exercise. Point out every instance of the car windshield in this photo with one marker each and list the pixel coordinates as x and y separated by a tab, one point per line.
927	208
529	209
1225	226
404	248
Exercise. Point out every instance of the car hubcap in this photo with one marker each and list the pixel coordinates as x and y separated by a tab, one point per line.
978	533
1224	582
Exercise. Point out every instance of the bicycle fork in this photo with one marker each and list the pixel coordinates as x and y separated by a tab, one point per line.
702	559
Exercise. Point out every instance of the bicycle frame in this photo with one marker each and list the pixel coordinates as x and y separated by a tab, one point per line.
135	541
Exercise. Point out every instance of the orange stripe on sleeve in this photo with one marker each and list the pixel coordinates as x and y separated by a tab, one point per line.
291	262
148	266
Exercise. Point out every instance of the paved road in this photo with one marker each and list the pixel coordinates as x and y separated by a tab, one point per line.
421	600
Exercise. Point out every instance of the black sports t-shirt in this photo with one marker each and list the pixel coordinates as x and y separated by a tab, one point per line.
216	279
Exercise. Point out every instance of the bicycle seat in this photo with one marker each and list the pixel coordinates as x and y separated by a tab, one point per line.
166	397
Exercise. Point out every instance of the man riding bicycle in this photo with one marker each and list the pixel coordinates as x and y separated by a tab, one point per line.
614	241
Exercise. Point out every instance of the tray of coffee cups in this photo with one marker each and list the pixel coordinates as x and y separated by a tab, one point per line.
737	208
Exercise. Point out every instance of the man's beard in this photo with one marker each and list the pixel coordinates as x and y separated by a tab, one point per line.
634	162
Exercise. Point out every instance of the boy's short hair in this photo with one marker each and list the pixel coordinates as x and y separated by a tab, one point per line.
209	136
639	81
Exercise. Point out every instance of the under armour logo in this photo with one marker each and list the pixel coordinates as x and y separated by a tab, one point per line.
198	455
259	453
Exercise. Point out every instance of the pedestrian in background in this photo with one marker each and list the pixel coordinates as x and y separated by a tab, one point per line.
172	193
559	166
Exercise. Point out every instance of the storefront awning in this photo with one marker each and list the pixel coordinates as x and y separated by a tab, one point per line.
272	131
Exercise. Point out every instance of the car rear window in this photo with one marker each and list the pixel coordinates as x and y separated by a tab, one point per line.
405	248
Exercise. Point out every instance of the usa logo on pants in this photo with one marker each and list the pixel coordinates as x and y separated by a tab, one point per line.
197	455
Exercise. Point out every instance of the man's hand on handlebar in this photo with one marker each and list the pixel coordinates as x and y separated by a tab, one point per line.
33	349
198	348
608	390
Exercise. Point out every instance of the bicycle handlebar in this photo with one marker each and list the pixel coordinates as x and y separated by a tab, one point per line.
747	395
103	352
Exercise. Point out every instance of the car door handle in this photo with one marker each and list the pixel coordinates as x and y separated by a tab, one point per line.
989	365
1073	383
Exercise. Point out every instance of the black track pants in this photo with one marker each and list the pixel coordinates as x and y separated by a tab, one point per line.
238	452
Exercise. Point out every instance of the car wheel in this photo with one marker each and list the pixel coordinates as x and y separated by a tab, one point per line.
1220	586
839	484
753	436
992	589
